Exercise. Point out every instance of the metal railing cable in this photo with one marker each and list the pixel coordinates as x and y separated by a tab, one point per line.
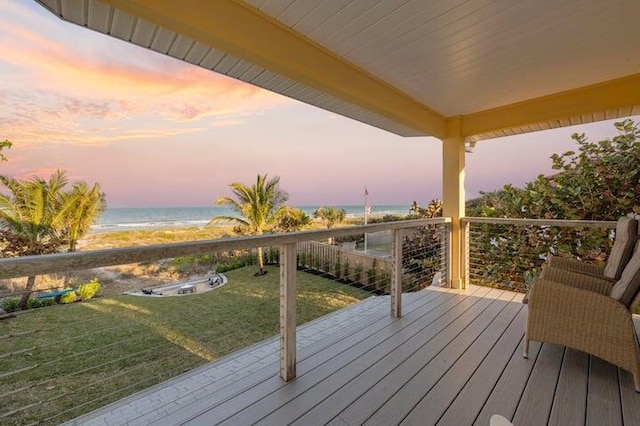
509	253
58	362
425	254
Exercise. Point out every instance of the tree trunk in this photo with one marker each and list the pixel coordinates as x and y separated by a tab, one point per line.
31	282
260	261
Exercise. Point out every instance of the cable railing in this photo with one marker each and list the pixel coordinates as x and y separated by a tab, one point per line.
58	362
423	256
509	253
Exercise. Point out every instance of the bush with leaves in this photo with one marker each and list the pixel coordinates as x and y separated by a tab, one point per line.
34	303
290	219
69	297
330	216
598	181
10	305
601	181
89	289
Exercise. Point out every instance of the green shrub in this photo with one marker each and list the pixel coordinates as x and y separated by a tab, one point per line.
46	302
305	259
10	305
358	272
89	289
359	239
186	264
233	264
34	302
272	255
388	218
326	264
69	297
384	282
371	277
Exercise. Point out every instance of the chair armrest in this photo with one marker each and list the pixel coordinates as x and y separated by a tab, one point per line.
578	266
574	279
584	320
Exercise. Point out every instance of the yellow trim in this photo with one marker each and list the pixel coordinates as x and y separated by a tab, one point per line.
453	197
620	93
243	31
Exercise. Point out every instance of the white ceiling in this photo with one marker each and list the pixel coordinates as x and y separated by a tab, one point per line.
464	56
456	57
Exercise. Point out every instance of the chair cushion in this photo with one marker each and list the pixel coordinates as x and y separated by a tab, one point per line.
628	285
623	247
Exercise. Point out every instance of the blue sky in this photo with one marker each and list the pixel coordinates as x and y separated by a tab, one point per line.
155	131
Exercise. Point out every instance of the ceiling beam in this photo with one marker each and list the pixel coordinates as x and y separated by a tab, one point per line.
620	93
243	31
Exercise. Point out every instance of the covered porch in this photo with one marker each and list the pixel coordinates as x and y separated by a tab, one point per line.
458	71
454	358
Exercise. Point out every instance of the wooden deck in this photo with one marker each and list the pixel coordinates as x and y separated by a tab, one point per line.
454	358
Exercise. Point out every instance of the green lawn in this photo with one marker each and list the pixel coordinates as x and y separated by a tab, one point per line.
85	355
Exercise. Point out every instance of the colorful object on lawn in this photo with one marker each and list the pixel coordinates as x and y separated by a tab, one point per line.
58	293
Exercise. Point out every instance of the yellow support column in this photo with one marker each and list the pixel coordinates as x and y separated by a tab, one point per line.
453	198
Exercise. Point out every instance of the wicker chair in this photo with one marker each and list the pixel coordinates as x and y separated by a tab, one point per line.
588	313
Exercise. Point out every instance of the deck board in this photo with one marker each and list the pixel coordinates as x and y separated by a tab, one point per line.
507	392
319	385
455	357
437	400
570	403
219	394
603	400
342	397
337	391
536	402
375	397
426	376
629	397
257	403
464	407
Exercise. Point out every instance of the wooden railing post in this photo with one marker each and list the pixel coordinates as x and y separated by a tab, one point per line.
396	274
466	235
446	249
288	269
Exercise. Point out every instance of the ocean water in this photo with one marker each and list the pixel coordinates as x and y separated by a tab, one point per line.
137	218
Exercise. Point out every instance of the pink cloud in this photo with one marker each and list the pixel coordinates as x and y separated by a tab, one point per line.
65	86
42	172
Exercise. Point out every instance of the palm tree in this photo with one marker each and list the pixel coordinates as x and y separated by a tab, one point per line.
290	219
34	210
330	215
257	206
4	144
433	209
86	206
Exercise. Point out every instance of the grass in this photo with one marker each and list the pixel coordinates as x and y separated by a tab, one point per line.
154	236
85	355
175	235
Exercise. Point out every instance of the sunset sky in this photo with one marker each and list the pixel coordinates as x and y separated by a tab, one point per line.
155	131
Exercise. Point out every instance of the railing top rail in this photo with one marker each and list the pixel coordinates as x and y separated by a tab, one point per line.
542	222
60	262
